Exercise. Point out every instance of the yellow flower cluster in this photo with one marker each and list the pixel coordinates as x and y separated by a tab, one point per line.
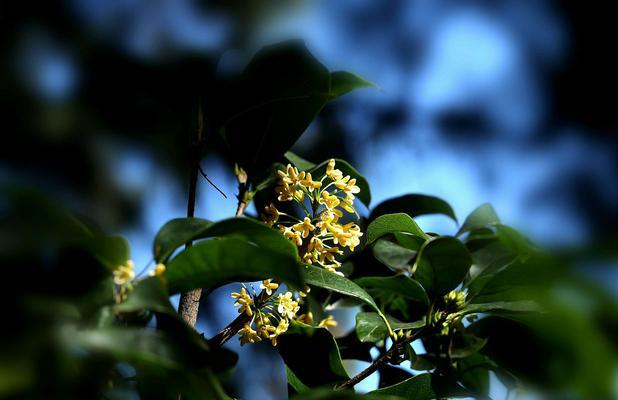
319	236
124	273
281	309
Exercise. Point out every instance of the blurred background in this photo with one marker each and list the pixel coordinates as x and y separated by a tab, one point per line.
506	102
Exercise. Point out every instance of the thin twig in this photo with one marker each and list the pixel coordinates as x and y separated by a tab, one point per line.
389	356
209	181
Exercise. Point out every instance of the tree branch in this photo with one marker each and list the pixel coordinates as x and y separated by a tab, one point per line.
389	356
189	303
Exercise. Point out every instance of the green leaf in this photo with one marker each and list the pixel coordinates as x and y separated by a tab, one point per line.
424	387
370	326
392	223
312	368
212	263
111	251
499	306
401	285
264	112
441	265
467	345
177	232
393	255
320	277
342	82
481	217
414	205
298	161
365	192
474	373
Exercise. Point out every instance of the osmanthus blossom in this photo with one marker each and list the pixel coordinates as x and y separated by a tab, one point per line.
320	239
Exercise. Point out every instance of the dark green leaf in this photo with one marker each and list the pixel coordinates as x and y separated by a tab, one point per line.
212	263
441	265
424	387
176	233
264	112
481	217
312	368
370	327
298	161
179	231
393	255
509	306
342	82
320	277
365	193
402	285
392	223
474	373
414	205
111	251
467	345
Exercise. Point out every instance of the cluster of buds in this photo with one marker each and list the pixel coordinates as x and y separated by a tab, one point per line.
271	318
124	277
319	235
448	315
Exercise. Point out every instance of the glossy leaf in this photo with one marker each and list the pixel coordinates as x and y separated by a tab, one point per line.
320	277
393	255
177	232
414	205
267	109
508	306
481	217
298	161
312	368
212	263
441	265
365	192
424	387
392	223
370	327
401	285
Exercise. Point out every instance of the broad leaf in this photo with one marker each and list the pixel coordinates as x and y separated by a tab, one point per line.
370	327
414	205
212	263
298	161
401	285
267	109
393	255
392	223
498	306
441	265
481	217
424	387
310	367
474	373
177	232
365	193
111	251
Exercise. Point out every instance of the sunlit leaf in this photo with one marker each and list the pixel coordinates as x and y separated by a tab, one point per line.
481	217
393	255
414	205
392	223
401	285
212	263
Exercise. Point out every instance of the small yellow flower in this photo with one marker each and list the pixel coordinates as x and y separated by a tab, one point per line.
264	328
289	181
282	327
123	274
271	215
269	286
304	228
291	234
308	182
328	322
329	200
347	205
287	306
333	173
304	293
348	186
244	301
332	268
158	270
248	335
